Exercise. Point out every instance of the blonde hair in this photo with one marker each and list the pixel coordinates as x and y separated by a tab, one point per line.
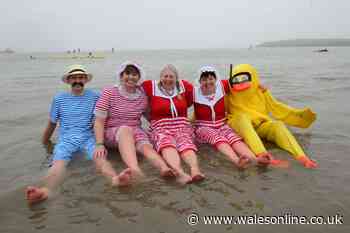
173	69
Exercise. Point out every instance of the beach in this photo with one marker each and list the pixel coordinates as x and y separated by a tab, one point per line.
86	203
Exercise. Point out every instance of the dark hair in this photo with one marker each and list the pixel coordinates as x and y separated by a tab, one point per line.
131	69
206	74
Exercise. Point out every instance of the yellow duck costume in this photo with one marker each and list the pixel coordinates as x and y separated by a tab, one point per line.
254	113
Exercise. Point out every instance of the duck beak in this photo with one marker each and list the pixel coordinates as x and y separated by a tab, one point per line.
241	86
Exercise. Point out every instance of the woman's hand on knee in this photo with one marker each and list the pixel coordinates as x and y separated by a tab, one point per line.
100	152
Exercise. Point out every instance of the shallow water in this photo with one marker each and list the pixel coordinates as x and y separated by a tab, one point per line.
86	203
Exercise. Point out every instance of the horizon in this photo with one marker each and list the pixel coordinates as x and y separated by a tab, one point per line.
158	25
104	50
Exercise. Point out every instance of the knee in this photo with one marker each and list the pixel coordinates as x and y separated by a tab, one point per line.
125	130
188	153
167	150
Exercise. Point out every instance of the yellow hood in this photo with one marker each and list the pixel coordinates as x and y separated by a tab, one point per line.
249	100
259	106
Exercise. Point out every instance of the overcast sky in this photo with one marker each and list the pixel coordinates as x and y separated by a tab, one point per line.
48	25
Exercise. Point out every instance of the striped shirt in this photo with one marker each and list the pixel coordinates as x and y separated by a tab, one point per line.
75	114
120	109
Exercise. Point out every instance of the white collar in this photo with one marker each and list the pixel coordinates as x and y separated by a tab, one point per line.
159	93
202	99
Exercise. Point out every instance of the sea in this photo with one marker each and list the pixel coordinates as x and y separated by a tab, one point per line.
85	202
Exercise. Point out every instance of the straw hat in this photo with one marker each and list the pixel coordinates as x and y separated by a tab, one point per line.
76	69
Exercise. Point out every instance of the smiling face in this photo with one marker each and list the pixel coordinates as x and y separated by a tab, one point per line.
77	82
130	77
207	82
168	79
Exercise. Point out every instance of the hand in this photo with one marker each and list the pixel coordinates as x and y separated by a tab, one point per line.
263	87
49	146
308	115
100	152
46	142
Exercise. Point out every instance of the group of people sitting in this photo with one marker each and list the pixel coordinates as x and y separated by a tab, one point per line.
90	122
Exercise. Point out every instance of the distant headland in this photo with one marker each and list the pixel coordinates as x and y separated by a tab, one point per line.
7	51
307	43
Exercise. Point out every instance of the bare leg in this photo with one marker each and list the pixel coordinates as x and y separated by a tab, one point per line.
105	167
227	150
191	159
241	161
126	145
53	179
157	161
171	156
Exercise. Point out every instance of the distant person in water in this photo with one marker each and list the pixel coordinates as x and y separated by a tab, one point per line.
74	112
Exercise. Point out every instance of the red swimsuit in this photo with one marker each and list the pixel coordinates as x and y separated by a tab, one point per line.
210	115
169	124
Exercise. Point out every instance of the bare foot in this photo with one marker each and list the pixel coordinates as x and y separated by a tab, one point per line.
183	178
137	173
197	178
35	195
243	162
167	173
123	179
263	160
196	175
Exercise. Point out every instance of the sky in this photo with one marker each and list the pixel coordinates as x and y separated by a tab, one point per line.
60	25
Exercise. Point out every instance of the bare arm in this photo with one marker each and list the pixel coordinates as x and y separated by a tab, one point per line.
100	150
50	128
99	129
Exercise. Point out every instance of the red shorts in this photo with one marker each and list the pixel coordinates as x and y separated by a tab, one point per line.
215	136
180	138
111	136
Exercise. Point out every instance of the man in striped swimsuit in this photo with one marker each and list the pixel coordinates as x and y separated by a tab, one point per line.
74	113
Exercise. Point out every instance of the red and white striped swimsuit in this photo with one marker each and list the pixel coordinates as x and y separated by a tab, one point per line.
169	124
210	123
121	110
